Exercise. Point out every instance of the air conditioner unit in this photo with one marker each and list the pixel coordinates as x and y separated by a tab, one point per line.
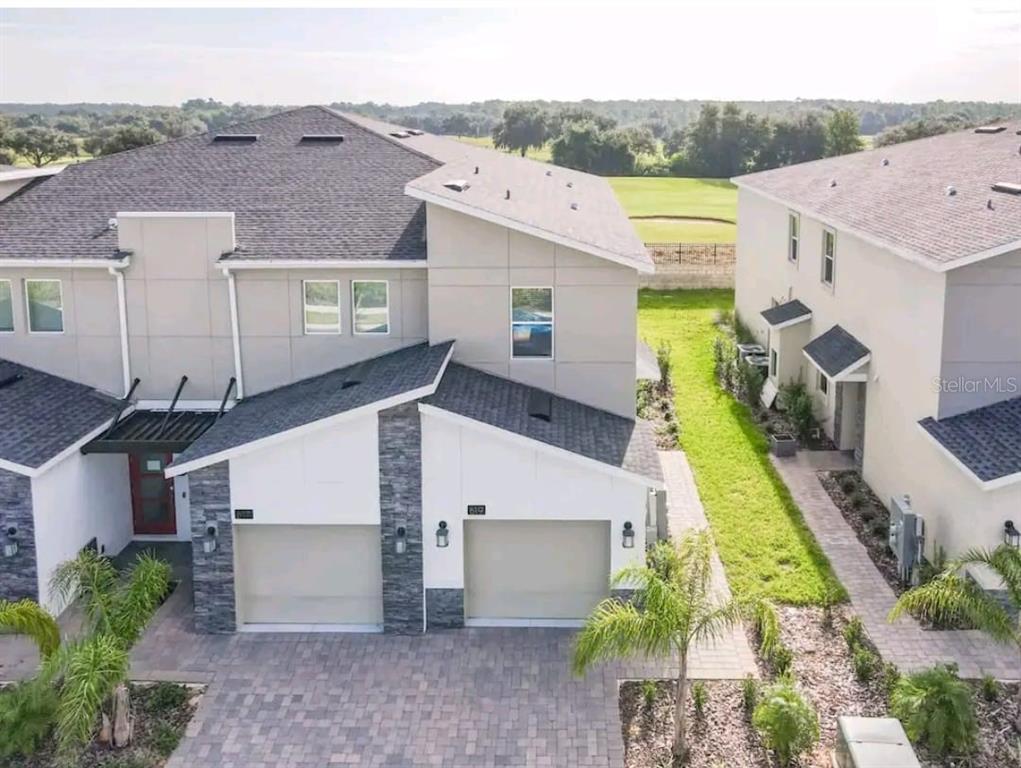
907	537
872	742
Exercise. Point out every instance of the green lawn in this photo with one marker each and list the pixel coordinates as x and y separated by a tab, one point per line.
762	539
713	199
542	154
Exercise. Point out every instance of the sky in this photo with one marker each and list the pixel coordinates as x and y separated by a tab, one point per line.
896	50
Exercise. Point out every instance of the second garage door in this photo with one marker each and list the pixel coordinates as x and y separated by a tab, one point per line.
309	574
531	569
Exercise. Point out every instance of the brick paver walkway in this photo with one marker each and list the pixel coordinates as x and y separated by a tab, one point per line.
904	643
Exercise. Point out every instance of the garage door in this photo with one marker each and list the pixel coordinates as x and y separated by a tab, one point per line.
309	574
524	569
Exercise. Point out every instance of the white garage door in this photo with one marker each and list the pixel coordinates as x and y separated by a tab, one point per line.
309	574
528	569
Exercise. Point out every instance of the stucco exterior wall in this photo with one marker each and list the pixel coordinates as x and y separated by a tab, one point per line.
275	350
472	266
895	308
982	335
89	348
462	466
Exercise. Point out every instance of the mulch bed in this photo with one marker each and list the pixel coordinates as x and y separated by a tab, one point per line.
656	404
161	713
774	422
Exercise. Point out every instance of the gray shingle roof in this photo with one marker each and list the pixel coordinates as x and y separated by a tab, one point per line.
321	397
41	414
835	351
987	440
574	427
904	204
784	313
291	199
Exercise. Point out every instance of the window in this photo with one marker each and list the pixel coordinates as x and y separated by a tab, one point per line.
6	307
45	302
370	306
322	306
793	230
772	362
824	383
829	255
532	323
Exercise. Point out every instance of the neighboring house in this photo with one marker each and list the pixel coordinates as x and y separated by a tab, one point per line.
889	282
379	379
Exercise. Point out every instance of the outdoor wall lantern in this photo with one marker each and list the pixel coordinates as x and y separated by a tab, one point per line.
10	544
442	535
209	542
629	535
401	542
1011	535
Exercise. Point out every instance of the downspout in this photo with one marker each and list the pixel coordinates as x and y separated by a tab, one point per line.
122	310
232	291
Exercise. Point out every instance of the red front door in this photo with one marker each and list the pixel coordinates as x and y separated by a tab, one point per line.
152	495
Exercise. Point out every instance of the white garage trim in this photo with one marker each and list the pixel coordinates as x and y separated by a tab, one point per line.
514	437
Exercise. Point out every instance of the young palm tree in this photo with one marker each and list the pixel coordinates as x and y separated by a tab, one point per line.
25	617
673	608
952	596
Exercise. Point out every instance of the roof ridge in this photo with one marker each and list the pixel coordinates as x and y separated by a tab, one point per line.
386	137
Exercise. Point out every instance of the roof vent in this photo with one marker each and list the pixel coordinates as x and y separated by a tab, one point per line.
111	223
322	138
235	138
540	405
507	196
549	173
353	377
1009	187
6	381
476	170
456	185
833	182
574	206
886	161
415	132
570	185
400	134
951	191
990	128
989	203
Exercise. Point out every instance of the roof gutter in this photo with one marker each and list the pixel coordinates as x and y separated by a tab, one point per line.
985	485
235	331
65	263
226	264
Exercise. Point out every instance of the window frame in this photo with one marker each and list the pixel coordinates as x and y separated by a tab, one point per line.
304	310
823	383
551	323
10	292
354	309
793	237
28	306
832	234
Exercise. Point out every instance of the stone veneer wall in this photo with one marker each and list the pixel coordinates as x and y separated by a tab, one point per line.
212	574
444	608
18	575
400	503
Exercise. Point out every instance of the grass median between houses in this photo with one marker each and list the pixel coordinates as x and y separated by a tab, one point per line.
764	543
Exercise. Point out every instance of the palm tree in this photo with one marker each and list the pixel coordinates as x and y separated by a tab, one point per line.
953	596
673	608
89	670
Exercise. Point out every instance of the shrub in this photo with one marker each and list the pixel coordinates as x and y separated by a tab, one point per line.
649	693
831	597
990	688
751	381
889	676
782	660
868	514
699	697
879	528
857	501
644	398
27	713
664	362
935	707
929	570
864	662
767	627
800	412
166	697
724	317
749	694
854	632
741	331
787	723
847	485
165	738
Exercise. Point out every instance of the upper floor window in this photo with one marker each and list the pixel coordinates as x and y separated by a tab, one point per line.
793	233
532	322
6	307
322	306
829	255
45	301
370	306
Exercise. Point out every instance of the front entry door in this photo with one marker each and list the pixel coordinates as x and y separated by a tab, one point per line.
152	494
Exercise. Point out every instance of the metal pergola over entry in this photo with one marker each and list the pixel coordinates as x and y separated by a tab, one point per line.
169	431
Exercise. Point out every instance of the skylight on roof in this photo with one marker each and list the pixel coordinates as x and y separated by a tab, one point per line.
456	185
990	128
322	138
1010	187
400	134
415	132
235	138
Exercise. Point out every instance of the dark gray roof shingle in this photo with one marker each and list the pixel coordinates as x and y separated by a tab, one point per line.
42	414
574	427
835	351
291	199
987	440
311	400
783	313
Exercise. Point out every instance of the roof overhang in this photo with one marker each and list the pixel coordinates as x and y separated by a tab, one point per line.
781	324
230	264
21	469
315	426
904	253
528	442
152	432
646	267
853	372
986	485
31	173
120	263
